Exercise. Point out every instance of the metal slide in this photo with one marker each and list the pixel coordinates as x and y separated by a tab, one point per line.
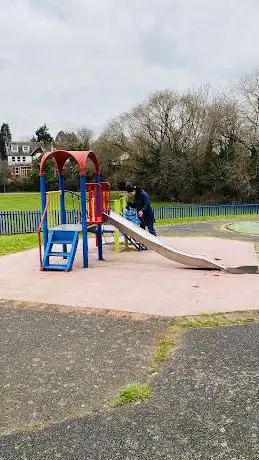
160	246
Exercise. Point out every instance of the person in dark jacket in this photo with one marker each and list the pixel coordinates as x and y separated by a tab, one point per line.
142	204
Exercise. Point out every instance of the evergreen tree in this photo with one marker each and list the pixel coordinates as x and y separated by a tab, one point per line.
5	139
42	135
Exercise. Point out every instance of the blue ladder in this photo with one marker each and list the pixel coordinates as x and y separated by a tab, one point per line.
60	237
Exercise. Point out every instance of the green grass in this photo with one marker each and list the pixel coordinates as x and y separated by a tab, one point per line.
132	394
29	201
167	203
15	243
19	201
167	340
182	220
162	349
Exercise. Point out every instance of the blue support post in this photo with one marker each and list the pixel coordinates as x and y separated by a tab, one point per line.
63	219
62	199
99	213
84	221
43	205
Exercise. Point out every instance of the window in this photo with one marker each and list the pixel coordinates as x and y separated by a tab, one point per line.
18	159
26	149
23	159
13	159
15	148
25	172
17	171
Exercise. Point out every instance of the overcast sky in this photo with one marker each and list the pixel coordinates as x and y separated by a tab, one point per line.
73	63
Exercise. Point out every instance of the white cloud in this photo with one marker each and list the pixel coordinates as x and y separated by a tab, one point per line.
78	62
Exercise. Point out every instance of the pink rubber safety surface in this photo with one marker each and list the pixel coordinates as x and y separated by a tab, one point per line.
138	282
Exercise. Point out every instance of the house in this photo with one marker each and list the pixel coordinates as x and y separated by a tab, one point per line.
21	156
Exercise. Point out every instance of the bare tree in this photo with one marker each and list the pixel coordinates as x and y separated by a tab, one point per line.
4	174
247	92
85	138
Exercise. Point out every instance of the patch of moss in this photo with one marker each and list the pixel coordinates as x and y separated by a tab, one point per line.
162	349
167	341
132	394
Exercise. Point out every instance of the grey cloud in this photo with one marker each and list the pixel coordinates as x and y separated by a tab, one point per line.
76	62
3	63
158	47
53	9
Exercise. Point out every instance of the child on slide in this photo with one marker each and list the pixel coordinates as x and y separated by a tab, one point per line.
132	216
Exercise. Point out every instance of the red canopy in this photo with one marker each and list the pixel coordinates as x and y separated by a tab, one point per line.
61	157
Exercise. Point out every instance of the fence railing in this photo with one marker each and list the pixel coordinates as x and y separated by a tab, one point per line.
178	212
15	222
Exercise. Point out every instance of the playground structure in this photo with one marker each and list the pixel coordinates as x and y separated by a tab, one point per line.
94	211
65	213
94	200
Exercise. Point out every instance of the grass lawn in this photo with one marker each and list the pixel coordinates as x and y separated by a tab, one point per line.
184	220
167	203
30	201
19	201
16	243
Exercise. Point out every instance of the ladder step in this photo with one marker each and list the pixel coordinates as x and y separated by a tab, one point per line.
61	254
56	267
64	238
61	242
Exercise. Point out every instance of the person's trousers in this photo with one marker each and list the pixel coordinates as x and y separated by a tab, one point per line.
149	225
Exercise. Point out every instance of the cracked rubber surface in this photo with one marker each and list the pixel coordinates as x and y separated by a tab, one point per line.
204	406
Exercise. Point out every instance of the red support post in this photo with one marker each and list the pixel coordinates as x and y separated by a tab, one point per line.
101	198
95	203
109	197
90	203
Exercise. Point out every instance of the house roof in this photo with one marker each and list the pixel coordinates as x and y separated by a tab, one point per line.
35	147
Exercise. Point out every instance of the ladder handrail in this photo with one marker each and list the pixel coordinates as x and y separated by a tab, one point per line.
77	194
40	227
